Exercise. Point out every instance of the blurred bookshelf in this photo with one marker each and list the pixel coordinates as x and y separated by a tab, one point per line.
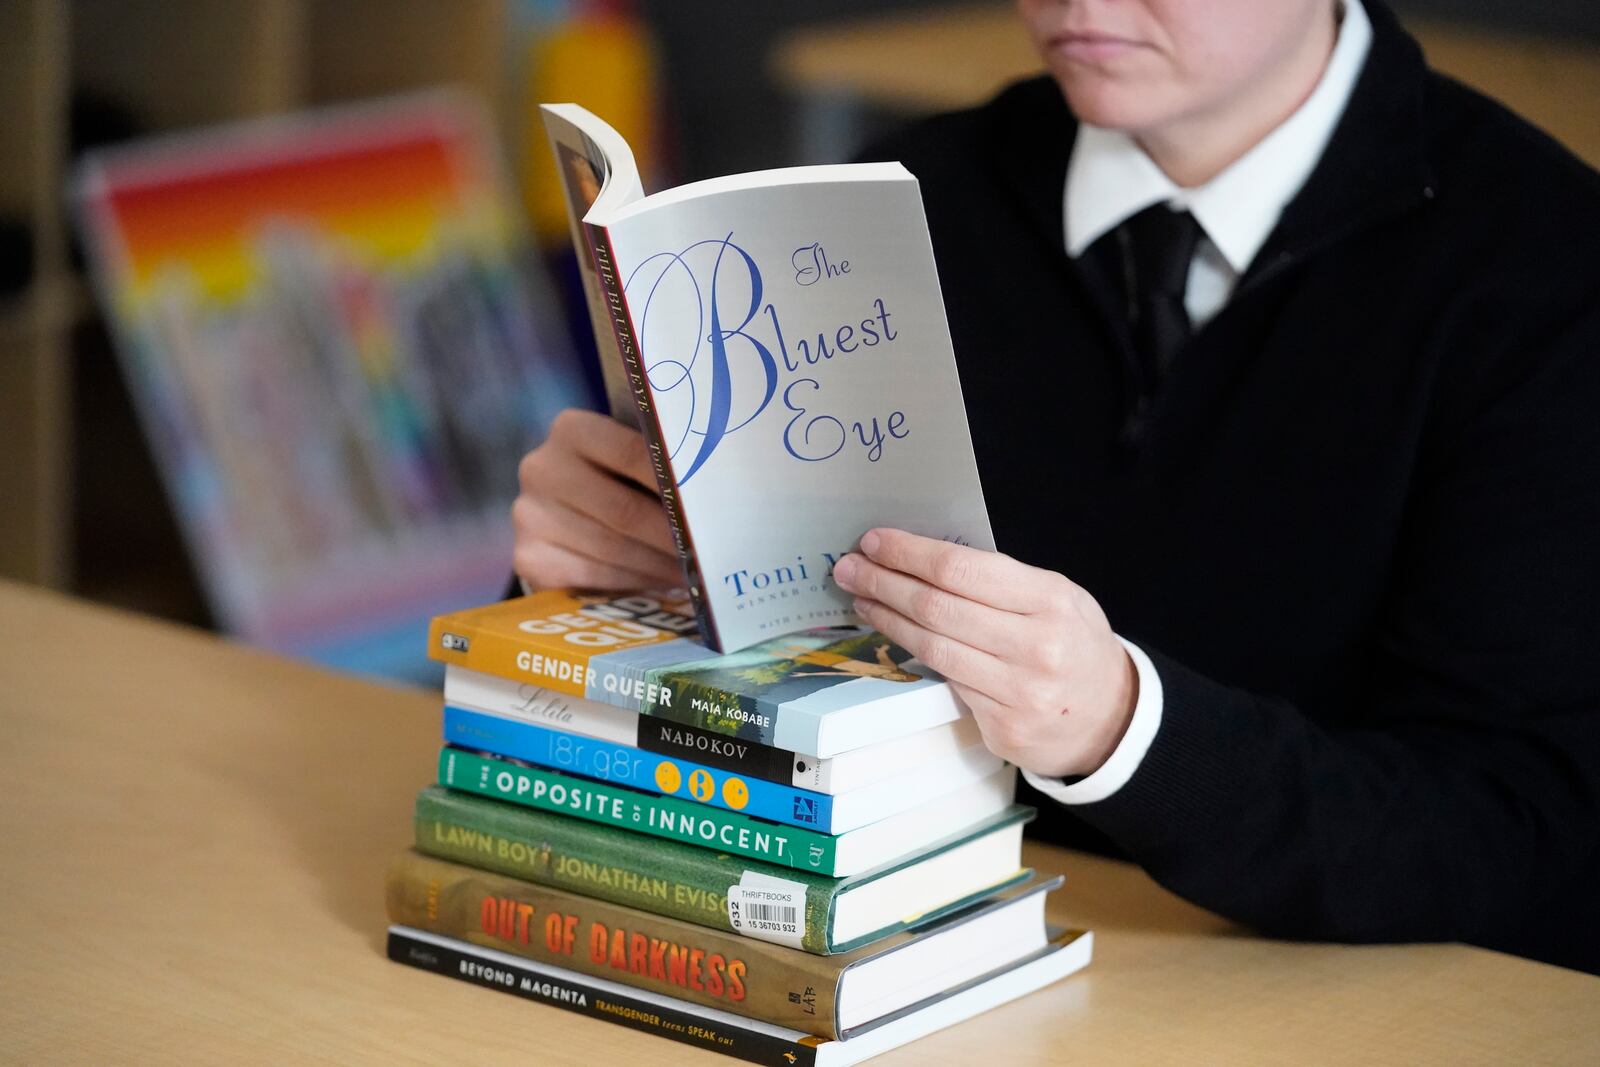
83	508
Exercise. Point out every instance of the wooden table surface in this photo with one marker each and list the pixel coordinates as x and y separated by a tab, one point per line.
192	844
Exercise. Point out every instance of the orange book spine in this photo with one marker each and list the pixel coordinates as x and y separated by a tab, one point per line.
522	658
550	638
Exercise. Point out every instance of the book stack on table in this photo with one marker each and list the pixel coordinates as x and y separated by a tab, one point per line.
801	852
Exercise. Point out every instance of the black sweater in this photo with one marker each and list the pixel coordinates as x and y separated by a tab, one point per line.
1357	529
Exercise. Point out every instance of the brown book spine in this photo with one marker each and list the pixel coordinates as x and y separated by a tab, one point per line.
650	423
770	982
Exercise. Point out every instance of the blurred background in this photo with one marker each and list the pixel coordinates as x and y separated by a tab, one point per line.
278	316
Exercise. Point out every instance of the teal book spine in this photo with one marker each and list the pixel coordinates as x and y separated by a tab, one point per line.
645	813
682	881
626	765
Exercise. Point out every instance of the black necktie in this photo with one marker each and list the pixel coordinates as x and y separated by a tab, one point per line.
1157	247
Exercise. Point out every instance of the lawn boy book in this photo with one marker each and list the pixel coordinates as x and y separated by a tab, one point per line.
818	692
848	772
838	855
829	996
785	352
720	1031
626	765
717	889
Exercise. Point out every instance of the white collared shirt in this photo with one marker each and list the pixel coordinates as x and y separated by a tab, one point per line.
1109	179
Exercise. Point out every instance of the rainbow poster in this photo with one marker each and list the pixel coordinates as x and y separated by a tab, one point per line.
339	352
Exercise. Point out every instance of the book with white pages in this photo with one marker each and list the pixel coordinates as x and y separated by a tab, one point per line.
848	772
780	339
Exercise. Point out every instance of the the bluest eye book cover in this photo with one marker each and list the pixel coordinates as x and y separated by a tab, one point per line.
787	355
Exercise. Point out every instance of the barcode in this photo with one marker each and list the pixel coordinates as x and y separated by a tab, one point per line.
772	915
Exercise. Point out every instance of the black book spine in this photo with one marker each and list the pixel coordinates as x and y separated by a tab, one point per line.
667	738
628	345
585	999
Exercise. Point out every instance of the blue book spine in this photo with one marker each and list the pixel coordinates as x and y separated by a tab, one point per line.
626	765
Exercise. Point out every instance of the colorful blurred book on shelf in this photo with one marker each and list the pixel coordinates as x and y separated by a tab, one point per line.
340	349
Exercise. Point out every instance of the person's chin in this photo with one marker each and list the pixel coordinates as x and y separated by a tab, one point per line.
1111	103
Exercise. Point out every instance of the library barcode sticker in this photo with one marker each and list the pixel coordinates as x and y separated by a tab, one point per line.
768	909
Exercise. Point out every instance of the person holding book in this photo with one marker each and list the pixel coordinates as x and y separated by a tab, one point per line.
1282	361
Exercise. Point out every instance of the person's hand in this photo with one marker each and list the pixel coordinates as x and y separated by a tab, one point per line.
584	516
1028	651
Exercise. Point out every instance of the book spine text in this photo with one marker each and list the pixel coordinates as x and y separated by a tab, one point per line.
628	344
594	937
625	765
663	877
730	754
659	816
466	963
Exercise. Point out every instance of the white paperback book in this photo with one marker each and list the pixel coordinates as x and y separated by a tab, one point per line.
781	341
887	768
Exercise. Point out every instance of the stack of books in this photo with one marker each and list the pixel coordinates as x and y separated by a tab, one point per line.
796	853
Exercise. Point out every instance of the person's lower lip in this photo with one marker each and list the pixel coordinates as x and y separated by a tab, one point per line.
1092	49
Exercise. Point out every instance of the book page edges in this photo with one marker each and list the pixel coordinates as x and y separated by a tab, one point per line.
606	213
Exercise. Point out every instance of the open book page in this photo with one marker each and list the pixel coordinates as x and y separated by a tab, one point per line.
802	383
596	166
782	337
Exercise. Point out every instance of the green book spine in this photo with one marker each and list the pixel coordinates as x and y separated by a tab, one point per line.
645	813
779	985
683	881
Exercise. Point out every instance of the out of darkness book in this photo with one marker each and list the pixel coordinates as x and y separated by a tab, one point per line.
779	985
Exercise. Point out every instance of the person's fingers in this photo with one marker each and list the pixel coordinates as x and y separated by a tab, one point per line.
1006	732
976	574
605	443
935	609
547	566
544	521
551	473
948	657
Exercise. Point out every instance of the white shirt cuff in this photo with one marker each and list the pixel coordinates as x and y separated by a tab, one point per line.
1129	753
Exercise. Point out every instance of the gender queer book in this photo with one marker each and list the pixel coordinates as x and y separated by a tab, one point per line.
819	692
829	996
876	766
719	1031
716	889
783	347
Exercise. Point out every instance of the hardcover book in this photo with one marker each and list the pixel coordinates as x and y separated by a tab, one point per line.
780	339
839	855
720	1031
860	769
829	996
688	780
718	889
819	692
